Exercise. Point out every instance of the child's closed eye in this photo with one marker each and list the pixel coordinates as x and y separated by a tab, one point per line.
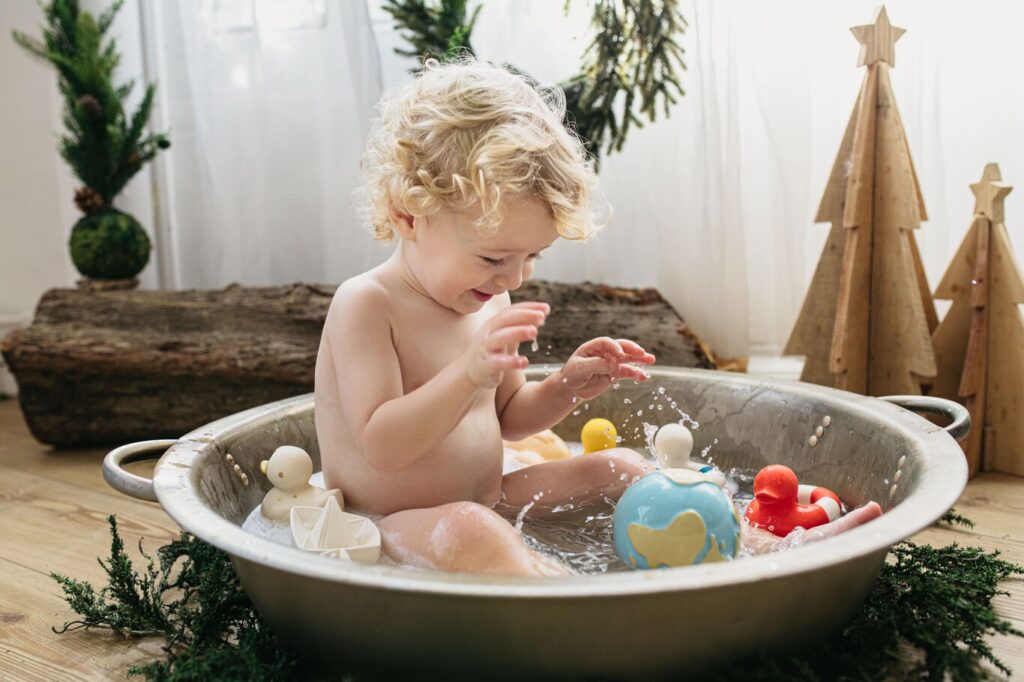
496	262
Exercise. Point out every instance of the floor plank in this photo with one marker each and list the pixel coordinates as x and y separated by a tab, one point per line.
53	509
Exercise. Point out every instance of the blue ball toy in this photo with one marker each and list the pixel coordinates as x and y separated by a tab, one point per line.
675	517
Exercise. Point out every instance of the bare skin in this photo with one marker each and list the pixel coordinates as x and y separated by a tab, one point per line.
418	381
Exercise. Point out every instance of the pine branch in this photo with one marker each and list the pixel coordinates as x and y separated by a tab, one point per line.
936	603
192	598
103	147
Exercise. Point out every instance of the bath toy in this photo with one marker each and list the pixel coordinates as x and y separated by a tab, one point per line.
546	444
519	459
598	434
780	504
334	533
674	443
675	517
289	469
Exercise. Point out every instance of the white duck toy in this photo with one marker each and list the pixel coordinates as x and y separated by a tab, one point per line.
289	469
674	443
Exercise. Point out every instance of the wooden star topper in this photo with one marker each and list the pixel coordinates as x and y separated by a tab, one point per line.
989	194
877	40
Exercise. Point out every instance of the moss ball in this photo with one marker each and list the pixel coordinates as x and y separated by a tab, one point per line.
109	245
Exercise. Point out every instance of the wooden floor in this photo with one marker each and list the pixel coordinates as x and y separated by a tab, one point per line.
53	509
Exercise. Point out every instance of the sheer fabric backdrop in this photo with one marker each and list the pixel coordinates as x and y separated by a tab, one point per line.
713	206
269	103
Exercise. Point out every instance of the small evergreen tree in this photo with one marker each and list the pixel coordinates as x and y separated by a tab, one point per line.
103	145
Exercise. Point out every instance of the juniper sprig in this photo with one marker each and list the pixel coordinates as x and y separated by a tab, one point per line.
192	598
927	617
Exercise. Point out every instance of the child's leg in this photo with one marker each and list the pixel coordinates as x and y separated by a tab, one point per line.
579	480
463	537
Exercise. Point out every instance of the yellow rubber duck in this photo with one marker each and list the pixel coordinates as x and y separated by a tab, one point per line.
598	434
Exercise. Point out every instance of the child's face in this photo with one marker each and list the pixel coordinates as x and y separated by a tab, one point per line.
462	268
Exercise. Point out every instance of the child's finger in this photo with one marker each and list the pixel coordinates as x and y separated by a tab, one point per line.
632	372
515	316
504	337
533	305
503	361
587	367
635	350
602	345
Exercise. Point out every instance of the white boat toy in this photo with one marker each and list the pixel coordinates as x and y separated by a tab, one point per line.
335	533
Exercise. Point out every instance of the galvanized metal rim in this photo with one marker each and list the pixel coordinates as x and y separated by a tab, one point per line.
939	486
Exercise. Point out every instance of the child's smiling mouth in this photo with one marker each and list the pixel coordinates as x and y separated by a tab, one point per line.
481	296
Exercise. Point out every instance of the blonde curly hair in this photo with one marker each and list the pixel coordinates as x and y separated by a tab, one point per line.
464	133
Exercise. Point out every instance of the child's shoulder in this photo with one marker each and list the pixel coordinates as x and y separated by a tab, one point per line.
360	298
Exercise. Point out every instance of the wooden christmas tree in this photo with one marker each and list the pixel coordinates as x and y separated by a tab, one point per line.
979	347
867	320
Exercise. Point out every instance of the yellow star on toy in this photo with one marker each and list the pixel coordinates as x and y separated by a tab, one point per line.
877	40
989	194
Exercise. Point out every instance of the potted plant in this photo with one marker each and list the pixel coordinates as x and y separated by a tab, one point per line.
103	145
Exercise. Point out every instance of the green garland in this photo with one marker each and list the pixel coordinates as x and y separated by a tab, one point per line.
629	69
936	602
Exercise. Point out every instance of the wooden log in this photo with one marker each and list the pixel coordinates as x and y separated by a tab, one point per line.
110	367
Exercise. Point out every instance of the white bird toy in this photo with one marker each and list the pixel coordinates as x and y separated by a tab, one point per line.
673	443
289	469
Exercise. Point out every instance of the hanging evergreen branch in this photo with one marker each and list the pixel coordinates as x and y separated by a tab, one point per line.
629	69
935	601
437	31
104	147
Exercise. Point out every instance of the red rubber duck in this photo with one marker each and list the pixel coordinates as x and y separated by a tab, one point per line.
777	506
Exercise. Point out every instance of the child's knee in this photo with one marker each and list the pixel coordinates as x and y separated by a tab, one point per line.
467	524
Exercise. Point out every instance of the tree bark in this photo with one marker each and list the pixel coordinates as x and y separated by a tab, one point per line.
110	367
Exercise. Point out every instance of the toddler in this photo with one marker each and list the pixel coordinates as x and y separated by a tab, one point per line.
417	375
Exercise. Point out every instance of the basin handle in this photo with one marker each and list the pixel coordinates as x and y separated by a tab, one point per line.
133	485
961	423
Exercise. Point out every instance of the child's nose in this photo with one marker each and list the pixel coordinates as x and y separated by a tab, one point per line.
510	278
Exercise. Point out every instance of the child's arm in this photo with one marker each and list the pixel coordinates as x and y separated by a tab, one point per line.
393	429
524	408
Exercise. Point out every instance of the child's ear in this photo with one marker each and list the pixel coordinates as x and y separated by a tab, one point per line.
403	224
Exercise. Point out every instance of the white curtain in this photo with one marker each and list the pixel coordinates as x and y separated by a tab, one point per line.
268	102
713	206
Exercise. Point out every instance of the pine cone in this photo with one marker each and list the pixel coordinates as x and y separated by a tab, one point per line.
90	104
88	200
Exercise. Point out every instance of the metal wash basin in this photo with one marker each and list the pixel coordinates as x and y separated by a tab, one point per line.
628	624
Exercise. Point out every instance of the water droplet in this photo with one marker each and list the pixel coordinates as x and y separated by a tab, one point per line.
575	413
903	460
534	347
896	476
627	401
639	413
826	421
812	441
892	490
661	390
819	432
615	386
586	406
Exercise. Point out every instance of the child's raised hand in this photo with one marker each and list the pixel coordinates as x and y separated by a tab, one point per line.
493	351
599	362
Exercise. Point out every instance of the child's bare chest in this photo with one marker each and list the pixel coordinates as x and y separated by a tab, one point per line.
428	341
